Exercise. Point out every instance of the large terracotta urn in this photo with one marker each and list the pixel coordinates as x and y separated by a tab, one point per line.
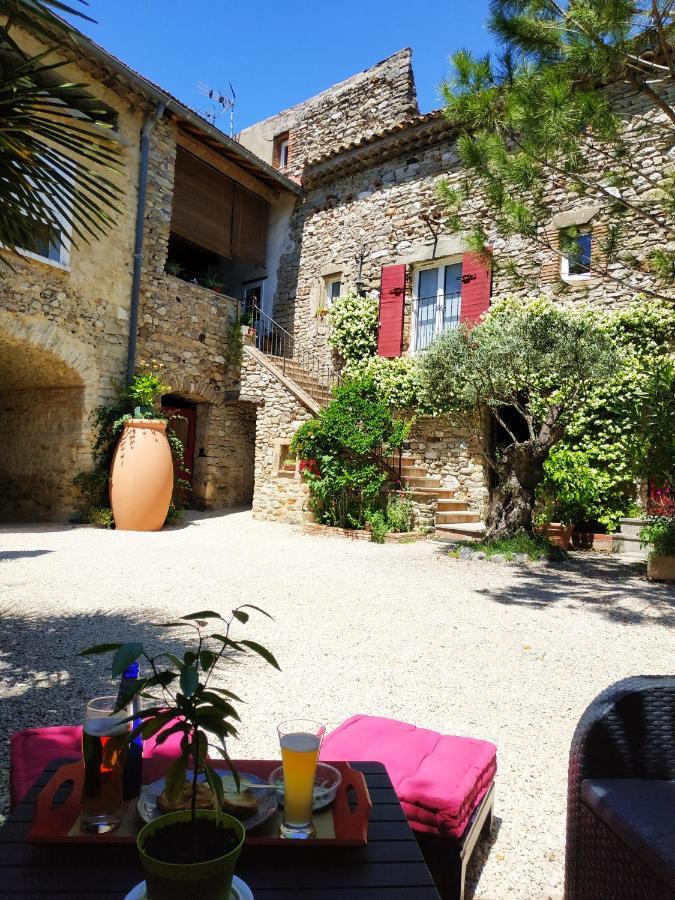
141	477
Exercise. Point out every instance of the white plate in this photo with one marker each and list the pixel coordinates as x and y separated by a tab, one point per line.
240	891
267	800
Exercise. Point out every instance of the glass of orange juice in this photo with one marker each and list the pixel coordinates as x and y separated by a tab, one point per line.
300	741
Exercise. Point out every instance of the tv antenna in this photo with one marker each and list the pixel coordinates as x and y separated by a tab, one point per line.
220	103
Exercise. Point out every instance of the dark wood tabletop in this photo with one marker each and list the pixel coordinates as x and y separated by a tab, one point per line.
390	865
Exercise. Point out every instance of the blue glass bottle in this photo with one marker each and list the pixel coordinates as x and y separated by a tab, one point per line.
133	764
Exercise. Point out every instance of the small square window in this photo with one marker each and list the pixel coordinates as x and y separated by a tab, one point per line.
576	262
333	288
281	155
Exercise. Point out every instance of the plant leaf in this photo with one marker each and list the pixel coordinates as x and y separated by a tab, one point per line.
152	726
262	651
189	680
125	655
206	659
240	615
99	648
165	735
175	778
205	614
257	609
216	785
221	705
225	693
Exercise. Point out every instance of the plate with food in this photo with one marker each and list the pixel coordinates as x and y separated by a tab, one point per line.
253	804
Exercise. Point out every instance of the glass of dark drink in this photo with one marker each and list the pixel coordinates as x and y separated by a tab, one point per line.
104	748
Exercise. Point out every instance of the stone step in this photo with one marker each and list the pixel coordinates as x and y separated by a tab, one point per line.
629	545
631	527
429	482
469	531
447	505
412	471
430	493
456	517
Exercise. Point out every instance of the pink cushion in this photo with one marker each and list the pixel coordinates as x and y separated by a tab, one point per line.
439	779
32	750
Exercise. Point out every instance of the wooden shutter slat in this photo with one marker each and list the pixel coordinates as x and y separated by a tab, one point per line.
392	304
202	205
250	227
476	288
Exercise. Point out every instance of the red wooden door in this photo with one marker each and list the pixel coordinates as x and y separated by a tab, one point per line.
183	423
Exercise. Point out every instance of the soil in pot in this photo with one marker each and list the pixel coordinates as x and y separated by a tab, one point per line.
179	843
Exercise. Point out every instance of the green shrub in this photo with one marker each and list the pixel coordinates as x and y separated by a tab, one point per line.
660	533
99	517
397	380
348	440
379	527
399	513
535	546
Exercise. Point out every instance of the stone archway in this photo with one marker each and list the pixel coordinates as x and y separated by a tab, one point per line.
48	388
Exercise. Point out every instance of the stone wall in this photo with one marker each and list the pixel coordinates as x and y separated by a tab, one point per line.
63	338
184	330
370	101
278	495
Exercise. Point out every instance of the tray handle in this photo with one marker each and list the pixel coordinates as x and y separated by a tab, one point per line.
56	820
353	823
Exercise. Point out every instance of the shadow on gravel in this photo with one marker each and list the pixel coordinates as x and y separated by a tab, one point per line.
614	588
44	681
20	554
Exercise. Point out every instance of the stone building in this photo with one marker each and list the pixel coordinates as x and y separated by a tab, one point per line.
74	318
369	218
338	192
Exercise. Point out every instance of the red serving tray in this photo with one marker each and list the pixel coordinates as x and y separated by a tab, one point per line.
53	822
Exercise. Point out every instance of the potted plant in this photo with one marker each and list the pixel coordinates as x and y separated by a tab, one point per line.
175	269
570	496
191	853
659	535
213	282
142	475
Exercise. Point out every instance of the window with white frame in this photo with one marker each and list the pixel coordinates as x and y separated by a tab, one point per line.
575	262
333	289
52	244
437	295
283	154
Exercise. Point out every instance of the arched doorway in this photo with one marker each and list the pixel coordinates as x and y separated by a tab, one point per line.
43	412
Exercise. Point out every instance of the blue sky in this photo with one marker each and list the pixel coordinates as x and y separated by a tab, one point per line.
279	53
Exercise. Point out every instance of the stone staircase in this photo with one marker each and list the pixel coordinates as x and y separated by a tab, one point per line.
451	519
308	383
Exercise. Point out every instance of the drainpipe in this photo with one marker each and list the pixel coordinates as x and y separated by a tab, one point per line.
148	127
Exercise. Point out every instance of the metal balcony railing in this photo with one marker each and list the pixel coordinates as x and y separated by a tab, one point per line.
434	315
274	340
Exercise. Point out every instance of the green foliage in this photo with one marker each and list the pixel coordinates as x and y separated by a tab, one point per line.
146	389
571	490
234	344
538	115
609	432
98	516
348	441
180	699
655	459
379	527
399	512
660	533
353	321
397	380
54	137
536	546
537	357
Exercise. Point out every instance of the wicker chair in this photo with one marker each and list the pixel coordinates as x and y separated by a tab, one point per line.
622	774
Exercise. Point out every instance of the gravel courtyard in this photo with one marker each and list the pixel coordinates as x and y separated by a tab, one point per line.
511	654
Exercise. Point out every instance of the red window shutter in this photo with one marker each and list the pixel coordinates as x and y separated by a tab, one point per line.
392	301
476	288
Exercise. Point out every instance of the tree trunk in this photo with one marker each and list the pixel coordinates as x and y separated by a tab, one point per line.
512	503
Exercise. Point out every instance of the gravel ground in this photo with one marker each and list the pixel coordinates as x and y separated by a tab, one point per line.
511	654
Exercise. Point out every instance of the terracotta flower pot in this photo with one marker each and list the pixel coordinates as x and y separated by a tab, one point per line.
141	477
559	534
661	568
209	880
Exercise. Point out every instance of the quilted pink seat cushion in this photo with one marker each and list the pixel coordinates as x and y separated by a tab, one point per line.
32	750
439	779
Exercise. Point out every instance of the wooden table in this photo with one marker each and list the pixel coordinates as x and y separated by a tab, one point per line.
389	866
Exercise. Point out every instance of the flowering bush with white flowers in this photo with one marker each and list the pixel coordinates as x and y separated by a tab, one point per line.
353	321
397	380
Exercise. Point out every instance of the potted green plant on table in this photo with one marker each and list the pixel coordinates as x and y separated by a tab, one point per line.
142	474
213	282
191	853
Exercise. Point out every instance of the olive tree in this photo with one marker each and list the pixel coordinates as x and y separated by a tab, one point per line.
529	367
